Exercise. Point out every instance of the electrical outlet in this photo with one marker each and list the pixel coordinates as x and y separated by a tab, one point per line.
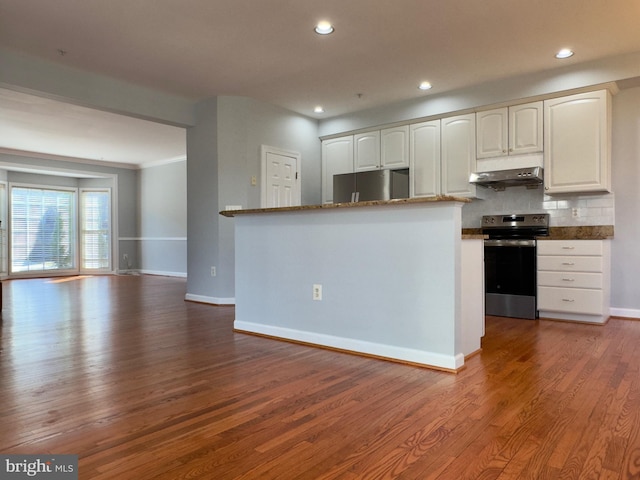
254	180
575	213
317	292
213	271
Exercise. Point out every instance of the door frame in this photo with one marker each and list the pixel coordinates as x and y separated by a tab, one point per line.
264	151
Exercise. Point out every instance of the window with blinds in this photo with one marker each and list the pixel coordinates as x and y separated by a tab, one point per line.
95	229
3	229
42	229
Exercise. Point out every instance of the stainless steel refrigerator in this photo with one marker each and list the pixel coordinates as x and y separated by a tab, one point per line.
371	185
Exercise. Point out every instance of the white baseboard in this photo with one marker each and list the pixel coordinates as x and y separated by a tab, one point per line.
164	274
624	312
212	300
391	352
130	271
574	317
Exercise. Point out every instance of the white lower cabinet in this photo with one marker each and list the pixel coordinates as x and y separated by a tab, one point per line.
574	280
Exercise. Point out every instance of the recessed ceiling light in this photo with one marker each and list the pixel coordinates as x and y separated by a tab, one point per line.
324	28
318	109
424	86
564	53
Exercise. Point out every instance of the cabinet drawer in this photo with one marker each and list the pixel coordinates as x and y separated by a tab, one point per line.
570	264
571	300
570	247
570	279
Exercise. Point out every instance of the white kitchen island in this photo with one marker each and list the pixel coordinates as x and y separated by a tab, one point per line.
390	272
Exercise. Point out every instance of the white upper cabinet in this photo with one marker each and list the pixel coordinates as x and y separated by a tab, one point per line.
387	148
458	155
366	151
337	158
577	143
441	154
394	147
509	130
525	128
424	159
492	130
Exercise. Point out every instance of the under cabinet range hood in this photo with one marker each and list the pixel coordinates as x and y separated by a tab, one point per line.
530	177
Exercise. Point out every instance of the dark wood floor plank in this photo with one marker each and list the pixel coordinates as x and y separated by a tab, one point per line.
141	384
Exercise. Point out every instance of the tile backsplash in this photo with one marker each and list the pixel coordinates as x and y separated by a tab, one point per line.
564	210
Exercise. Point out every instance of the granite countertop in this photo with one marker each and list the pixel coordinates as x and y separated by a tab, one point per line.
399	201
586	232
473	234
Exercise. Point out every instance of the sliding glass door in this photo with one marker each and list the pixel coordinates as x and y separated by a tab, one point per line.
42	230
47	225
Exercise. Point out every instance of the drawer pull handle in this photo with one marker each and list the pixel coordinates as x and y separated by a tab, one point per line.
568	263
568	280
568	248
568	300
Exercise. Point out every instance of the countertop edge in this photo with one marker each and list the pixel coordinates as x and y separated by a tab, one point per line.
586	232
330	206
582	232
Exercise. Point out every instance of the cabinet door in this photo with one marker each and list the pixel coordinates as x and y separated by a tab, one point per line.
577	143
424	156
366	151
394	147
492	133
571	247
558	263
571	300
525	128
458	155
337	158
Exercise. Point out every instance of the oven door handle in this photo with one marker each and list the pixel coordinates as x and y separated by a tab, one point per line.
509	243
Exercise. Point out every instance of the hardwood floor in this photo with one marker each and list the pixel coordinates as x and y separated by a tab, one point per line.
141	384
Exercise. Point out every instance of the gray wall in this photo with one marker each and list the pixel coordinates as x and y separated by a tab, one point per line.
162	219
626	185
53	80
126	191
223	152
202	201
244	125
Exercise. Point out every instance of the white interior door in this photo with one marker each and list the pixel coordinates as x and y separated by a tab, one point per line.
280	178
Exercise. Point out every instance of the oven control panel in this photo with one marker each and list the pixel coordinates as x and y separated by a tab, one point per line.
526	225
516	220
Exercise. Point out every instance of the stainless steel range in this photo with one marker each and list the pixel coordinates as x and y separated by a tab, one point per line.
510	263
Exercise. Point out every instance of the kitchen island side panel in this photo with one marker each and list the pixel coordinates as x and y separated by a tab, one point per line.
390	279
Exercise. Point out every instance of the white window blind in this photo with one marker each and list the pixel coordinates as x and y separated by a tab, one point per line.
42	229
95	228
3	229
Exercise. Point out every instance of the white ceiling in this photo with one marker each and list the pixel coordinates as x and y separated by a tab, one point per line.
266	49
40	125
